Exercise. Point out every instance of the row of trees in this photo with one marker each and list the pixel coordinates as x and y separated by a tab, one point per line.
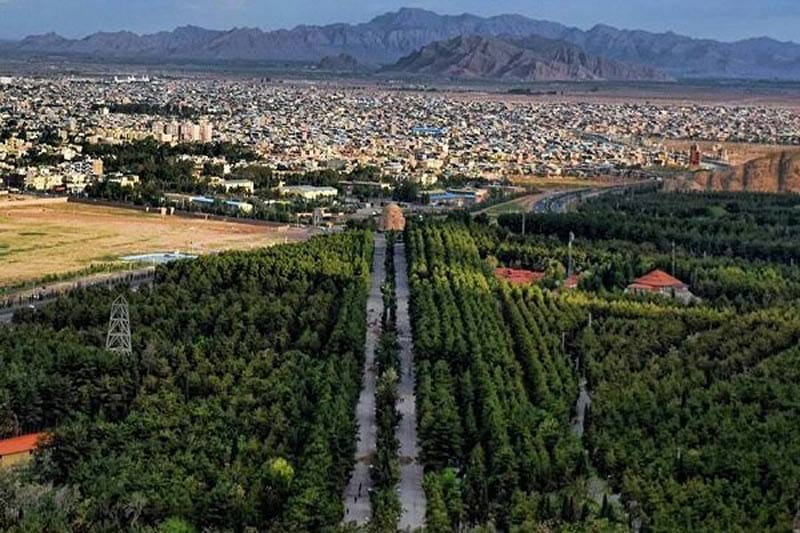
690	425
749	226
495	386
235	412
385	471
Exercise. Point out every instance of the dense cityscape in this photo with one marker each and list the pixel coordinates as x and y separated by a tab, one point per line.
405	136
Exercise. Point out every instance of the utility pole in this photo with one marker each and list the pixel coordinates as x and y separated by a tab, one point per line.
524	216
569	266
119	328
673	258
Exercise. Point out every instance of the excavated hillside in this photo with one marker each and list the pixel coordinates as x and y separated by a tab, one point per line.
778	172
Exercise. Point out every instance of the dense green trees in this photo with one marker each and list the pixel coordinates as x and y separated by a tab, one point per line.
692	425
385	470
742	225
733	250
493	396
236	410
693	416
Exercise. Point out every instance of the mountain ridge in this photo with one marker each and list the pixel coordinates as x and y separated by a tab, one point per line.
532	58
388	37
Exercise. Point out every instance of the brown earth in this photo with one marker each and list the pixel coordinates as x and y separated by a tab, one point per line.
776	172
37	240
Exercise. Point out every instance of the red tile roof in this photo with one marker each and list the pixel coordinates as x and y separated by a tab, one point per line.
21	444
656	280
518	277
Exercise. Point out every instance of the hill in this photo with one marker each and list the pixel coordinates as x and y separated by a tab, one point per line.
339	63
531	58
778	172
389	37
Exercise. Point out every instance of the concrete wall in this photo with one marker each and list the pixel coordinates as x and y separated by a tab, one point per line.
31	201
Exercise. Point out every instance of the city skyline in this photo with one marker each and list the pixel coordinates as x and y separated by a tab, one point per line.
717	19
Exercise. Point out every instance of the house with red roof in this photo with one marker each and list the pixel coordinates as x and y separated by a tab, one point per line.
17	450
659	282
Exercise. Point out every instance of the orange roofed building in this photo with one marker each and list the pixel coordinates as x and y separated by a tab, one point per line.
17	450
518	277
659	282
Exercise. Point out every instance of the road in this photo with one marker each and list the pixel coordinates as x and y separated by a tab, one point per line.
583	401
412	496
517	205
34	299
356	495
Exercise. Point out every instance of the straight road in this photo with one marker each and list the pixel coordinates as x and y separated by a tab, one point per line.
356	496
412	497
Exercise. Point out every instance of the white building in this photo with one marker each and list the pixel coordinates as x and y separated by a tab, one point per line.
308	192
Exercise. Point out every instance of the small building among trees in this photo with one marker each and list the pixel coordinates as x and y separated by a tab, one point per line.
659	282
17	450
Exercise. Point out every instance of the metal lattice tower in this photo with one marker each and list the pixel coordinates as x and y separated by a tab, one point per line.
119	328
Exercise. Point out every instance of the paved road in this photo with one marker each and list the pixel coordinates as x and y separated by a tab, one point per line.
583	401
412	497
36	298
523	204
356	496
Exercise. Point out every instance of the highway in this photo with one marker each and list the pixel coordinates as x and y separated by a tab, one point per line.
43	296
560	202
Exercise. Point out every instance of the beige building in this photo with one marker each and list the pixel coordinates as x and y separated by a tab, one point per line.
392	219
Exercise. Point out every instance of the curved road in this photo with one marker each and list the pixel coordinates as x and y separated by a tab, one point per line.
36	298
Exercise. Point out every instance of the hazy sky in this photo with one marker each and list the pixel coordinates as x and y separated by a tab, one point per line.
720	19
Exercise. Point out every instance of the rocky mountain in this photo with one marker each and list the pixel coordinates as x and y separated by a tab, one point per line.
389	37
339	63
778	172
531	58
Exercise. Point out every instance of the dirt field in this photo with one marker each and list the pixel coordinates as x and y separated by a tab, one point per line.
39	240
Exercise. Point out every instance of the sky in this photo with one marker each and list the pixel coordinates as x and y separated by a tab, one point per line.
719	19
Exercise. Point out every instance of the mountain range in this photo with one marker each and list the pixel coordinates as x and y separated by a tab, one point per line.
531	58
390	37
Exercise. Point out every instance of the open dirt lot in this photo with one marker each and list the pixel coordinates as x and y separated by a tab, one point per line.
37	240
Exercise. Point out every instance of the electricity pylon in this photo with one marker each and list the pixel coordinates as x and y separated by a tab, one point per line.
119	328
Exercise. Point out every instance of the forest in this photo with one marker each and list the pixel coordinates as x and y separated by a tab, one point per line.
235	411
737	250
691	420
540	407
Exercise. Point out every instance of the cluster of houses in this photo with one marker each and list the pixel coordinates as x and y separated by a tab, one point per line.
656	282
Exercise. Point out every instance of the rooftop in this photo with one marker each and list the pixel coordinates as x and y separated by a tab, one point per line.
657	279
21	444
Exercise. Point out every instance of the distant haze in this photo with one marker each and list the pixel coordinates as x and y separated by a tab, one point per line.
720	19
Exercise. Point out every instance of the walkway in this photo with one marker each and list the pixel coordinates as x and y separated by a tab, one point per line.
356	496
412	497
